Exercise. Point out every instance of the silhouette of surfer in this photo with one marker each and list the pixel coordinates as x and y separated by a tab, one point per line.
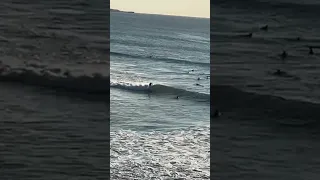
265	28
177	97
216	113
279	72
248	35
284	55
310	50
149	87
67	73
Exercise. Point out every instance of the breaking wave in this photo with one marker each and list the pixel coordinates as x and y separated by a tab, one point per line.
159	89
180	154
40	75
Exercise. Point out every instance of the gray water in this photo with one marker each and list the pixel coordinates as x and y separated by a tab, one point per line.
49	133
269	128
153	134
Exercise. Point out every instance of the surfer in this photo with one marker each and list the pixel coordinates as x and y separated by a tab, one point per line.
177	97
278	72
284	55
149	87
248	35
198	85
216	113
67	73
310	50
198	78
265	28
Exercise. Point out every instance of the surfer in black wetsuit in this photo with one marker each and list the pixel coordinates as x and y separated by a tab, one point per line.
177	97
284	55
265	28
198	79
67	73
278	72
310	50
149	87
216	113
248	35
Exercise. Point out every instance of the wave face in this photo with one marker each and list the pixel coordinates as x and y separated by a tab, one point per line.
159	89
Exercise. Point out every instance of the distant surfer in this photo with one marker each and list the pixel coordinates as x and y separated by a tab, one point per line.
216	113
279	72
265	28
298	39
310	50
284	55
149	87
177	97
198	78
248	35
198	85
67	73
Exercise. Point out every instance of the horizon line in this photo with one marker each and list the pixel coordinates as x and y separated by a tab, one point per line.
126	11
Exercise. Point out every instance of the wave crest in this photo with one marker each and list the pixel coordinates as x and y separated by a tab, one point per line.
159	89
55	78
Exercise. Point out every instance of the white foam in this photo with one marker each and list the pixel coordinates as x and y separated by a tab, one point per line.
181	154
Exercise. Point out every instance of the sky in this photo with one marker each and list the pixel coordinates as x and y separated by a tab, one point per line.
192	8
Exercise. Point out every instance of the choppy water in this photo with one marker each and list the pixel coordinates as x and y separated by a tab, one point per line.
47	130
153	134
271	132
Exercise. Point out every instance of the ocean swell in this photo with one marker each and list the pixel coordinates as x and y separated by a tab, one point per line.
163	90
237	103
56	78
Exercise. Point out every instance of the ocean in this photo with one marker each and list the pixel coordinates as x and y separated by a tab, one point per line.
269	126
54	89
154	134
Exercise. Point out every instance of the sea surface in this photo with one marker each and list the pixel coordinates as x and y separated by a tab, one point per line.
269	128
54	89
154	135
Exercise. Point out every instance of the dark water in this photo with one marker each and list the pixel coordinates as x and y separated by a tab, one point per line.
269	128
47	130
